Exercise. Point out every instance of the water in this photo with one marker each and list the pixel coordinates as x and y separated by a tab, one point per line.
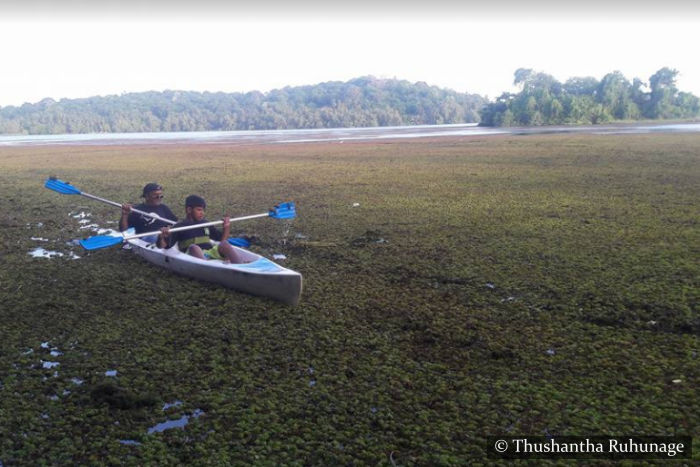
129	442
330	134
43	253
169	405
179	423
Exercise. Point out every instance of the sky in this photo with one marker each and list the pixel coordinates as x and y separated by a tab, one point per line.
80	48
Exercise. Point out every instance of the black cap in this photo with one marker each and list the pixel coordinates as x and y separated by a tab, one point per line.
193	201
150	187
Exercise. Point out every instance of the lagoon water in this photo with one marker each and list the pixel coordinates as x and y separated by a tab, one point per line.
330	134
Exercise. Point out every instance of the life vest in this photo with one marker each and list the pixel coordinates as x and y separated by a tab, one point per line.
183	245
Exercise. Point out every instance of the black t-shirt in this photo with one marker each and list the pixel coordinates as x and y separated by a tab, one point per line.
197	237
143	223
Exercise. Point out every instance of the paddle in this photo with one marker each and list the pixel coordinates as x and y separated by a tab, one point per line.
239	241
66	188
281	211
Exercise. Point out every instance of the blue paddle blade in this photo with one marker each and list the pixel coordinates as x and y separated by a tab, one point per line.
238	241
62	187
284	211
100	241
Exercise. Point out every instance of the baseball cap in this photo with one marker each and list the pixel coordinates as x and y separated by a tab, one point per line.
150	187
194	201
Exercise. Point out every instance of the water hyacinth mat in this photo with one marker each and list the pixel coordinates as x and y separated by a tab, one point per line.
454	289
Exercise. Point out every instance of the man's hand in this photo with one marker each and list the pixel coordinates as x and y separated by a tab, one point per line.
124	221
126	209
163	237
227	229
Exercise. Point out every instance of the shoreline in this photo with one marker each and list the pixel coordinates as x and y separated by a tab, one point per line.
337	135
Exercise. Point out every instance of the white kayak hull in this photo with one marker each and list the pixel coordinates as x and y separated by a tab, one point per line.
258	276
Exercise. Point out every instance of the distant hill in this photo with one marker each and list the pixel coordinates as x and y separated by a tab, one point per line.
360	102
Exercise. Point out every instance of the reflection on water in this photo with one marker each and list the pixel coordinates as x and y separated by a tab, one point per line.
330	134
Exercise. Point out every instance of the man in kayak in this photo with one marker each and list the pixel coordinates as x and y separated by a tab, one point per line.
197	242
153	195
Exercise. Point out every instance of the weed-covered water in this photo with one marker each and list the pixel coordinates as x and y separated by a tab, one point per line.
454	289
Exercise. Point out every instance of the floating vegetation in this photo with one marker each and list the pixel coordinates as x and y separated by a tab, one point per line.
523	285
121	398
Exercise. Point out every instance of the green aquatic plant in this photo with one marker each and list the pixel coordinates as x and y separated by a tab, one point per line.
531	285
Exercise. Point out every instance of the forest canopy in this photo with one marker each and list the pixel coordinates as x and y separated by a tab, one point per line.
360	102
545	101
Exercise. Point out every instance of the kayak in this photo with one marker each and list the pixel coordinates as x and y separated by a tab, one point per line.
257	276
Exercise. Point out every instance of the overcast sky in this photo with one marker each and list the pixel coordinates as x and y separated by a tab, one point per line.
70	49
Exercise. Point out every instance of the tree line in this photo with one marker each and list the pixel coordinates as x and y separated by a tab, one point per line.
360	102
545	101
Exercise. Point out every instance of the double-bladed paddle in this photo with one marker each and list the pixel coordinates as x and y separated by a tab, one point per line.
281	211
66	188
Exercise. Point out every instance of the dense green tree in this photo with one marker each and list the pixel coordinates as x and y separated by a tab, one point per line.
614	94
638	94
365	101
544	101
586	86
663	92
688	105
493	114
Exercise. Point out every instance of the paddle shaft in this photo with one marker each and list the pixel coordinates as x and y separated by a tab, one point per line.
195	226
149	214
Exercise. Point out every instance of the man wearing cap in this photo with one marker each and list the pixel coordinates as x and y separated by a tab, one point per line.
197	241
153	194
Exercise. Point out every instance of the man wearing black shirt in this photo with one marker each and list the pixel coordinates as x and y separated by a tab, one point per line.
153	194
